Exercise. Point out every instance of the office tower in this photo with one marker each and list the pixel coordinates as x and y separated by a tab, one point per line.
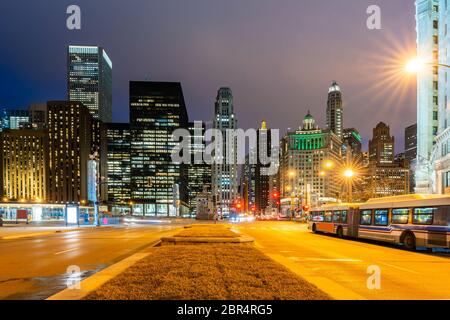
262	191
24	165
224	176
386	174
411	152
199	174
352	142
304	155
381	146
158	184
335	111
427	20
119	164
99	148
38	115
70	143
89	76
15	119
411	143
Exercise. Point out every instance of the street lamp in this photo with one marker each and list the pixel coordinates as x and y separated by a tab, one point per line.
418	64
349	174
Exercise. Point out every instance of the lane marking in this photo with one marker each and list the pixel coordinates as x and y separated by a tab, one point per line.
65	251
399	268
333	260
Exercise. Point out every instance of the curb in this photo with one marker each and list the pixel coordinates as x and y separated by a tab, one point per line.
183	240
95	281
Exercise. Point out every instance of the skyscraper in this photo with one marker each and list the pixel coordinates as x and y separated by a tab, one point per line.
15	119
411	152
304	155
70	143
158	185
89	76
381	147
427	20
24	165
335	111
411	142
199	174
440	164
119	164
224	176
262	191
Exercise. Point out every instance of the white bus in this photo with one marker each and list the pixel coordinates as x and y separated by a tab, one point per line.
412	220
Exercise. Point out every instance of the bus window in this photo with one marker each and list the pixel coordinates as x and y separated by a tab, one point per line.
381	217
366	217
423	215
337	217
400	216
344	217
328	216
317	216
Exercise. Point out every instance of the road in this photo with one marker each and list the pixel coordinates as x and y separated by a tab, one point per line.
342	265
36	267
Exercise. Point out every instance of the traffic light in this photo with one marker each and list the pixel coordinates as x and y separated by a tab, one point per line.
275	195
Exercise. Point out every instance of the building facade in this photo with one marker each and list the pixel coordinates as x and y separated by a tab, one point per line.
15	119
199	174
24	165
89	76
119	164
225	174
335	110
158	185
304	154
352	142
381	146
70	143
411	153
428	40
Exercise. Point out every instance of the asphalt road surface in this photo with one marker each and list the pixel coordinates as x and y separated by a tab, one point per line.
36	267
344	263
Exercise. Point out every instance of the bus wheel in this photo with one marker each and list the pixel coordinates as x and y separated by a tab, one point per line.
409	241
340	232
314	228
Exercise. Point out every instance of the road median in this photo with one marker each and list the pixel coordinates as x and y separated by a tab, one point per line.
197	270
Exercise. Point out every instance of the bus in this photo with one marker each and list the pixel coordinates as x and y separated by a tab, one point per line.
412	220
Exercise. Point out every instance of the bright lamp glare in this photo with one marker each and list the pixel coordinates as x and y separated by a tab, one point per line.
415	65
349	173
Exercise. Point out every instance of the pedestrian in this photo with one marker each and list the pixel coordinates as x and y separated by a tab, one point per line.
1	219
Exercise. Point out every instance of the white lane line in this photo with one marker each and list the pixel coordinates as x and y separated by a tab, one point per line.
65	251
399	268
333	260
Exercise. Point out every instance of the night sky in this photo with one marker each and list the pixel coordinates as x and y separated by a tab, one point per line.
278	56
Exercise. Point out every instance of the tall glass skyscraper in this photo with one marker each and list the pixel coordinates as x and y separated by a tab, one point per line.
89	75
224	176
427	19
158	185
335	112
119	163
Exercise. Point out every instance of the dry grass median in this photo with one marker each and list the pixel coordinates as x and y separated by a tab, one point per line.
207	272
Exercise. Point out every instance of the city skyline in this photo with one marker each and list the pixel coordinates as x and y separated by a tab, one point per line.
291	88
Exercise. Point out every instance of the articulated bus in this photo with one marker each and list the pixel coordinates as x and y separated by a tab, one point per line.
412	220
